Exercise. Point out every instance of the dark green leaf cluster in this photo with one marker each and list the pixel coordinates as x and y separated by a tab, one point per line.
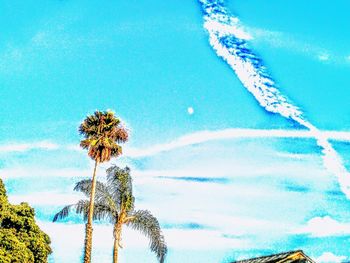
21	240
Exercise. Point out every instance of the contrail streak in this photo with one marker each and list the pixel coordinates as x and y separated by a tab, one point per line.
228	39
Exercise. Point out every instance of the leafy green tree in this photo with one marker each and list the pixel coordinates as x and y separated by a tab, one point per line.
21	240
103	132
114	202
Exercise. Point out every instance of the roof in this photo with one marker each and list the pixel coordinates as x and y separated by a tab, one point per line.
286	257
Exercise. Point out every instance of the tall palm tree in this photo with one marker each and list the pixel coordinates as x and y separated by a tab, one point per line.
114	202
103	132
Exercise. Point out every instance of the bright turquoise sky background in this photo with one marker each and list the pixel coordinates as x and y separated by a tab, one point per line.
150	61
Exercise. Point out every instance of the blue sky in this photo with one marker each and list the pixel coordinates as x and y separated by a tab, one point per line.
239	180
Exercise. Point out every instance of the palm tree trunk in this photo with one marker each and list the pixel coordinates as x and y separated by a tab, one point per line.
117	235
88	227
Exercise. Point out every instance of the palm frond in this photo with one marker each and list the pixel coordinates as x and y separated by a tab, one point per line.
116	150
105	212
146	223
81	207
84	186
119	183
102	194
101	211
89	126
121	134
85	144
63	213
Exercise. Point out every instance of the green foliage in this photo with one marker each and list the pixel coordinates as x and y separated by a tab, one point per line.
120	187
114	202
12	249
21	240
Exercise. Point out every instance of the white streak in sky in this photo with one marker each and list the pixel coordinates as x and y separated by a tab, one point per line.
227	134
229	41
185	140
24	147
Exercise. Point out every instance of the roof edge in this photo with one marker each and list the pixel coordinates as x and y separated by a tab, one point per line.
287	253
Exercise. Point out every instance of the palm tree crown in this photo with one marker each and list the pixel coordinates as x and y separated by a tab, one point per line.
114	202
102	133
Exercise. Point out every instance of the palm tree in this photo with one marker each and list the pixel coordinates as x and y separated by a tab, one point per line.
114	202
102	133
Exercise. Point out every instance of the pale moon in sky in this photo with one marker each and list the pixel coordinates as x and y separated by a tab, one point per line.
190	110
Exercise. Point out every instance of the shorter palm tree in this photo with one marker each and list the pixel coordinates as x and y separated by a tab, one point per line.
114	202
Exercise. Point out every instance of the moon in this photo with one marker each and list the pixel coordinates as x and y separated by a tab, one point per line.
190	110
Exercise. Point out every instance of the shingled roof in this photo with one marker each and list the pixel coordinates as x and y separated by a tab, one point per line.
297	256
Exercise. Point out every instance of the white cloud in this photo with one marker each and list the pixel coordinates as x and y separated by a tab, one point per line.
241	208
288	41
74	147
46	198
324	57
237	215
329	257
200	239
183	141
205	136
38	172
324	226
24	147
284	40
190	239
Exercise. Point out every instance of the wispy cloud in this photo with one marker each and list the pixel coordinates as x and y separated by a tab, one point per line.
190	239
51	40
324	57
328	257
251	210
206	136
183	141
251	71
285	40
39	172
46	198
24	147
324	227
